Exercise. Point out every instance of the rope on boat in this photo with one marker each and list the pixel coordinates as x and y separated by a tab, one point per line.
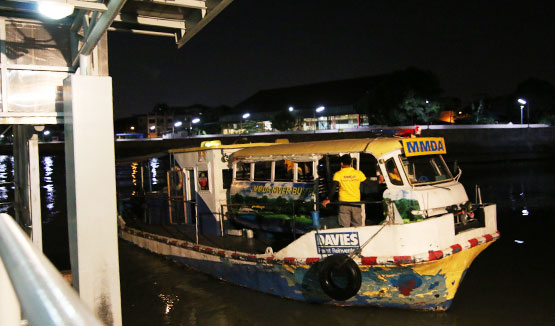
359	250
387	222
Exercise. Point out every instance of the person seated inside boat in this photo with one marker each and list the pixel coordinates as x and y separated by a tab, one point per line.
290	165
393	172
348	180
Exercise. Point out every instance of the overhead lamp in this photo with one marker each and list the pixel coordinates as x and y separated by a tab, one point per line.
320	109
55	9
178	124
521	101
195	120
290	109
246	115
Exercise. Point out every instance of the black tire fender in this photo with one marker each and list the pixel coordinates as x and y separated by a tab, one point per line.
335	267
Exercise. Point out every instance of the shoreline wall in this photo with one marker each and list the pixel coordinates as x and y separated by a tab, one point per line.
500	143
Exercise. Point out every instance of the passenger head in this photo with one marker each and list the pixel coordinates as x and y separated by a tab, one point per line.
346	159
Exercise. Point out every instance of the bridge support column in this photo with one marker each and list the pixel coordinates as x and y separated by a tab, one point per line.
27	182
91	194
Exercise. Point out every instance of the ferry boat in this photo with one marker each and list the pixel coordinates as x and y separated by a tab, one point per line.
250	214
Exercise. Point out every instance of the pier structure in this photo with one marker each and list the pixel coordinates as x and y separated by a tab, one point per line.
56	72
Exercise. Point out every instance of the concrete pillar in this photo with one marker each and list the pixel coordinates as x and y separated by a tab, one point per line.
27	182
91	194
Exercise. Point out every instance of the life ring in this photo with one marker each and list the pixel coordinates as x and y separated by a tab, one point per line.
339	277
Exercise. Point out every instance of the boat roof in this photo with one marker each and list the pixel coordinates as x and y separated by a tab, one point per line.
217	146
374	146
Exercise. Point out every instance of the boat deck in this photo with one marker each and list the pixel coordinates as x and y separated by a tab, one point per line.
186	232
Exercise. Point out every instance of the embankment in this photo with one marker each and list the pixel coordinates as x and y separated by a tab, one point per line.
463	143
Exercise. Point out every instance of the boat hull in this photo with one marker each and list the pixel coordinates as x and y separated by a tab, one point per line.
427	285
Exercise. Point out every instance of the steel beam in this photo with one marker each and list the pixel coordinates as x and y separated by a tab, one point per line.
98	30
195	4
196	27
159	22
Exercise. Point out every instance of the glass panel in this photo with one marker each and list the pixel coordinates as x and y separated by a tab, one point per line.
305	171
284	170
262	171
203	181
426	169
33	44
226	178
243	171
35	91
393	172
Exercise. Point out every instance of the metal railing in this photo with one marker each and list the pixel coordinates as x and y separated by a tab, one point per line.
43	295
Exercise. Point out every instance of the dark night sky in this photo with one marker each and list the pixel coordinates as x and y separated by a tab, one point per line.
474	47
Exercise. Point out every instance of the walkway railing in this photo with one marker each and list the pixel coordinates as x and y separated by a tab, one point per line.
43	295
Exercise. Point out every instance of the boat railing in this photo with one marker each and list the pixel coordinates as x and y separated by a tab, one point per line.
32	287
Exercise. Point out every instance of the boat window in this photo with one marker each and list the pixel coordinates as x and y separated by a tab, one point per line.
327	166
262	171
203	181
305	171
368	165
426	169
393	172
243	171
226	178
284	170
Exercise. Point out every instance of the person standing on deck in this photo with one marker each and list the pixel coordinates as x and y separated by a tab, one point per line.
348	179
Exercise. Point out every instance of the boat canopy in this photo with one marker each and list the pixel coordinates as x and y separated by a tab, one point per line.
216	144
374	146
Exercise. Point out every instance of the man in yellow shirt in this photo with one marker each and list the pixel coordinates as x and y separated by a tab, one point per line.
349	181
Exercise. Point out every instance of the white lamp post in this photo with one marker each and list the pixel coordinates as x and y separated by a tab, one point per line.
193	121
177	124
522	103
244	117
318	110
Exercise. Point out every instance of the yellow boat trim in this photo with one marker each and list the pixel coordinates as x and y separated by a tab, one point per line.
374	146
198	149
453	267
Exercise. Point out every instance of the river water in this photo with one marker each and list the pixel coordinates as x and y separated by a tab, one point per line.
510	283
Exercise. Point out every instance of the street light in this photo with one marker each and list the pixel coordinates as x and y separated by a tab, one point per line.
291	109
245	116
318	110
192	122
522	103
177	124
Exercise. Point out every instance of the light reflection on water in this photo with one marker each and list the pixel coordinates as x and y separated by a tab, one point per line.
154	165
134	172
6	186
49	187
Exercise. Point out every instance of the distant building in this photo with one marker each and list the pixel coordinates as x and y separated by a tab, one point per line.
163	121
325	105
